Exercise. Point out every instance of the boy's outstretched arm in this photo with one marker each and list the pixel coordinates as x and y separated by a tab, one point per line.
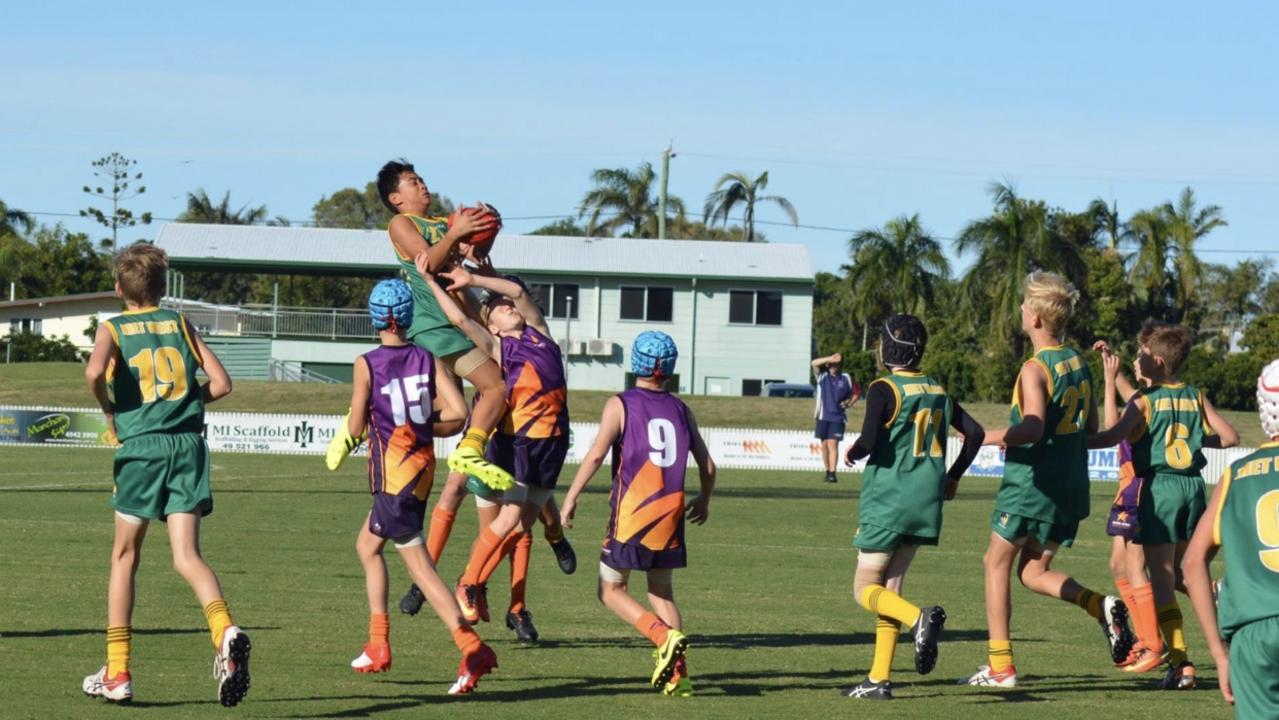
409	241
523	303
219	384
482	338
1033	386
361	389
1194	569
1122	384
610	429
1225	435
1134	415
698	509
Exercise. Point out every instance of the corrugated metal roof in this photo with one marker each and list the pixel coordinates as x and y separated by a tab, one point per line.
329	250
52	299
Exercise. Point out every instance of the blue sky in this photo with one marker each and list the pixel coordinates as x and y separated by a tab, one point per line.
859	111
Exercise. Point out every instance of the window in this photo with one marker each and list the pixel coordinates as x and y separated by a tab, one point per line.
561	298
653	304
752	388
755	307
24	325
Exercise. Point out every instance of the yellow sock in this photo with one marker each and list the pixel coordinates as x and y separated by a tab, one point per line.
1001	655
1170	624
119	639
1090	601
474	440
882	601
219	619
886	632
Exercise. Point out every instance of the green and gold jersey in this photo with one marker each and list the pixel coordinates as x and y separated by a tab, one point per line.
1048	480
431	328
902	487
1247	529
1171	439
152	380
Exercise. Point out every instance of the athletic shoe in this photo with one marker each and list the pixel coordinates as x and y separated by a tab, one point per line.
467	460
412	601
231	666
1133	655
374	659
522	623
1114	625
985	677
869	690
482	601
467	596
679	684
472	668
830	478
564	555
116	689
1147	661
668	655
1179	677
340	446
926	631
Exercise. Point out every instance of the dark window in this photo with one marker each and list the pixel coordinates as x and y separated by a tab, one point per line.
541	295
768	307
564	301
632	303
741	306
752	387
660	303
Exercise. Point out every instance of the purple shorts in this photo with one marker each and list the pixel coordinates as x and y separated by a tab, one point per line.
626	556
536	462
396	516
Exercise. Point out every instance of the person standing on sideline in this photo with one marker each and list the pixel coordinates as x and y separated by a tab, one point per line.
835	394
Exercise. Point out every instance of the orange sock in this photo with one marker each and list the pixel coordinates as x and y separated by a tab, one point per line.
1125	592
519	570
379	629
438	536
1146	619
495	560
652	627
486	544
466	640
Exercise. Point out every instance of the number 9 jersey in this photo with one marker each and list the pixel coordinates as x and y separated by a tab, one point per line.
152	380
646	522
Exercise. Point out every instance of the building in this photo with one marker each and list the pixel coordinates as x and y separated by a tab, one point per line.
69	315
740	313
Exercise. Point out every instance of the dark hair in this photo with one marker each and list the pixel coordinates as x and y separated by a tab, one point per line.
388	180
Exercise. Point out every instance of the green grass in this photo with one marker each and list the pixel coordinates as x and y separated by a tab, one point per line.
62	385
766	603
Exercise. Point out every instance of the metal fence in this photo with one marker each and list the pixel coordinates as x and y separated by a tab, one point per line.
269	321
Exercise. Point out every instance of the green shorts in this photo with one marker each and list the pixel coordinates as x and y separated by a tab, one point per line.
1254	669
159	474
1013	527
1169	509
881	539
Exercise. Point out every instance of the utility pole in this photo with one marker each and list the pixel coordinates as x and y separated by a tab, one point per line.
568	334
667	154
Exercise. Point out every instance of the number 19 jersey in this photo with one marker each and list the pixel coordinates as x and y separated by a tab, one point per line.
646	522
153	380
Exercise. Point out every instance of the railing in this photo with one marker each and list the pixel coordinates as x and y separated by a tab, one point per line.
285	372
269	321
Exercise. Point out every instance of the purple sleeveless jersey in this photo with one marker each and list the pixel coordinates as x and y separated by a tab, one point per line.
646	525
401	445
535	388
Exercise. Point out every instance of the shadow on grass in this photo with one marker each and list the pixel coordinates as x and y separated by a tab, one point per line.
73	632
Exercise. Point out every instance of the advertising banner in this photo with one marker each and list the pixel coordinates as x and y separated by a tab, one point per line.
52	426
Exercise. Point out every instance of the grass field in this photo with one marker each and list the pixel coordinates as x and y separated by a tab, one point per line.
62	385
766	603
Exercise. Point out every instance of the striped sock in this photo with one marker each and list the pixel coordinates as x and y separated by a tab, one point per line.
119	641
1170	622
1090	601
882	601
886	633
219	619
1001	655
474	440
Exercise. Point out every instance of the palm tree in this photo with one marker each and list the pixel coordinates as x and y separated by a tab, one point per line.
1148	271
901	262
734	188
1107	223
627	196
200	209
12	218
1187	226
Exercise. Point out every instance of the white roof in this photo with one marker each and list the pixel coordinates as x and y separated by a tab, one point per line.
273	249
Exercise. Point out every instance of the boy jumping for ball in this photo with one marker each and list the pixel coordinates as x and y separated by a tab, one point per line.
403	397
650	434
1044	493
142	372
900	505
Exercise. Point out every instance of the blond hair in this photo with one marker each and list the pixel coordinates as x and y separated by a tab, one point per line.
1168	342
1052	298
140	271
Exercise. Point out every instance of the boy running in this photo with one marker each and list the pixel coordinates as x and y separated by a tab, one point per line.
1243	521
403	396
900	506
142	372
1044	493
1167	424
650	434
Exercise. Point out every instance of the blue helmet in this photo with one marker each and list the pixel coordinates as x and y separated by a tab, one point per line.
391	301
653	353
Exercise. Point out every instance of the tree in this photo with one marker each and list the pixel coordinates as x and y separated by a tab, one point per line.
200	209
118	173
624	199
1148	271
12	218
687	229
737	188
56	262
1107	223
901	261
564	227
1187	226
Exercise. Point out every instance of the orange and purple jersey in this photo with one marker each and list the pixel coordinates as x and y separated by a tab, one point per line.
646	522
536	391
401	442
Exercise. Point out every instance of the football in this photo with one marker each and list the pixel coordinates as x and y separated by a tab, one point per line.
482	240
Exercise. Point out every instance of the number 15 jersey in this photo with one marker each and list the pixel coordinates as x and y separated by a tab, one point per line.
401	443
646	522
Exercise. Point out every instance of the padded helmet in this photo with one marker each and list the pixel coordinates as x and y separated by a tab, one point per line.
391	302
653	353
903	341
1268	399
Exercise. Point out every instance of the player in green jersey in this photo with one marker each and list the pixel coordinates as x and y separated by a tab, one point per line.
1044	493
143	374
1243	522
900	505
1167	425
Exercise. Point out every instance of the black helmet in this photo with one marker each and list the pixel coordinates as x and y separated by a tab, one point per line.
903	341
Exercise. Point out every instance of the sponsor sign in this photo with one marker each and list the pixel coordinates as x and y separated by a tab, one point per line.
52	426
